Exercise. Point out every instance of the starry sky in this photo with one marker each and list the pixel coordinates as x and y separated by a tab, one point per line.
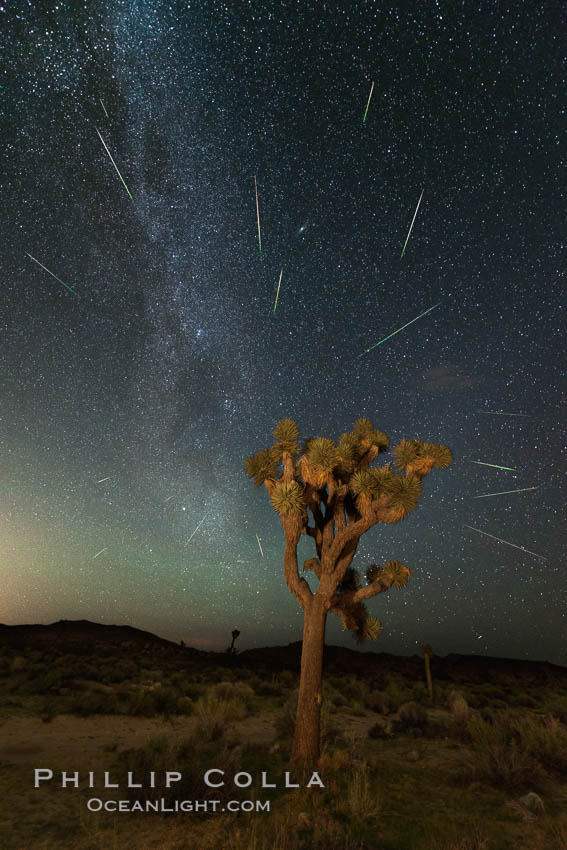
132	394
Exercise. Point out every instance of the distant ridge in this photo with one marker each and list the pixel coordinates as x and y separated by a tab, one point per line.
97	635
85	636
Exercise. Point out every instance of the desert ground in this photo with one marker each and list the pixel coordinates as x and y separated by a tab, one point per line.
481	764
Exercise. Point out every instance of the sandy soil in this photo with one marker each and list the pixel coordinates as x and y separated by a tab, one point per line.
30	741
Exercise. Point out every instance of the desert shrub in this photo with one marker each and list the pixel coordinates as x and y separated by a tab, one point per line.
165	700
352	689
188	758
557	705
544	739
395	694
94	702
411	715
489	693
496	756
234	690
458	707
374	701
285	721
118	672
215	714
286	678
522	699
42	682
360	799
268	689
379	730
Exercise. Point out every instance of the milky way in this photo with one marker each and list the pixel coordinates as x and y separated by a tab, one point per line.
129	407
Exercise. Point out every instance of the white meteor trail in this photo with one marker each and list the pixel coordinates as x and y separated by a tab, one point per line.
411	225
99	553
196	530
507	542
504	492
260	546
104	479
114	164
51	273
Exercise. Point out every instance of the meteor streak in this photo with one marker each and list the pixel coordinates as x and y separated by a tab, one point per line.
278	292
504	492
103	106
51	273
260	546
368	104
509	468
196	530
99	553
114	164
258	215
167	500
400	329
507	542
411	225
103	479
498	413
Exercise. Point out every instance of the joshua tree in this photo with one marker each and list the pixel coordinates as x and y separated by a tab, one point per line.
231	650
427	653
346	497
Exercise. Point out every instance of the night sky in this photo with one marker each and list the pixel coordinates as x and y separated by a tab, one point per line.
169	366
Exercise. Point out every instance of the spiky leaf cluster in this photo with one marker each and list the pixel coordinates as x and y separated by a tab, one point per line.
395	570
409	453
442	456
262	466
370	630
363	483
287	498
406	453
404	493
349	448
365	432
286	433
383	478
322	454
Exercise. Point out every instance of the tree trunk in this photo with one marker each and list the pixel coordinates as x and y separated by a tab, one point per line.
306	739
428	677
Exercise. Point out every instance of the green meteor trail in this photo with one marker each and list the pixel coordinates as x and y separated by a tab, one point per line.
278	292
51	273
103	106
368	104
114	164
400	329
411	225
504	492
509	468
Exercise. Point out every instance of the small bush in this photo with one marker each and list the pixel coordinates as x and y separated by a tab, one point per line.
379	730
411	715
235	690
506	753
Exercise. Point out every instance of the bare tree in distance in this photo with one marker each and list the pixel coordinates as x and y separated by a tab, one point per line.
231	649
